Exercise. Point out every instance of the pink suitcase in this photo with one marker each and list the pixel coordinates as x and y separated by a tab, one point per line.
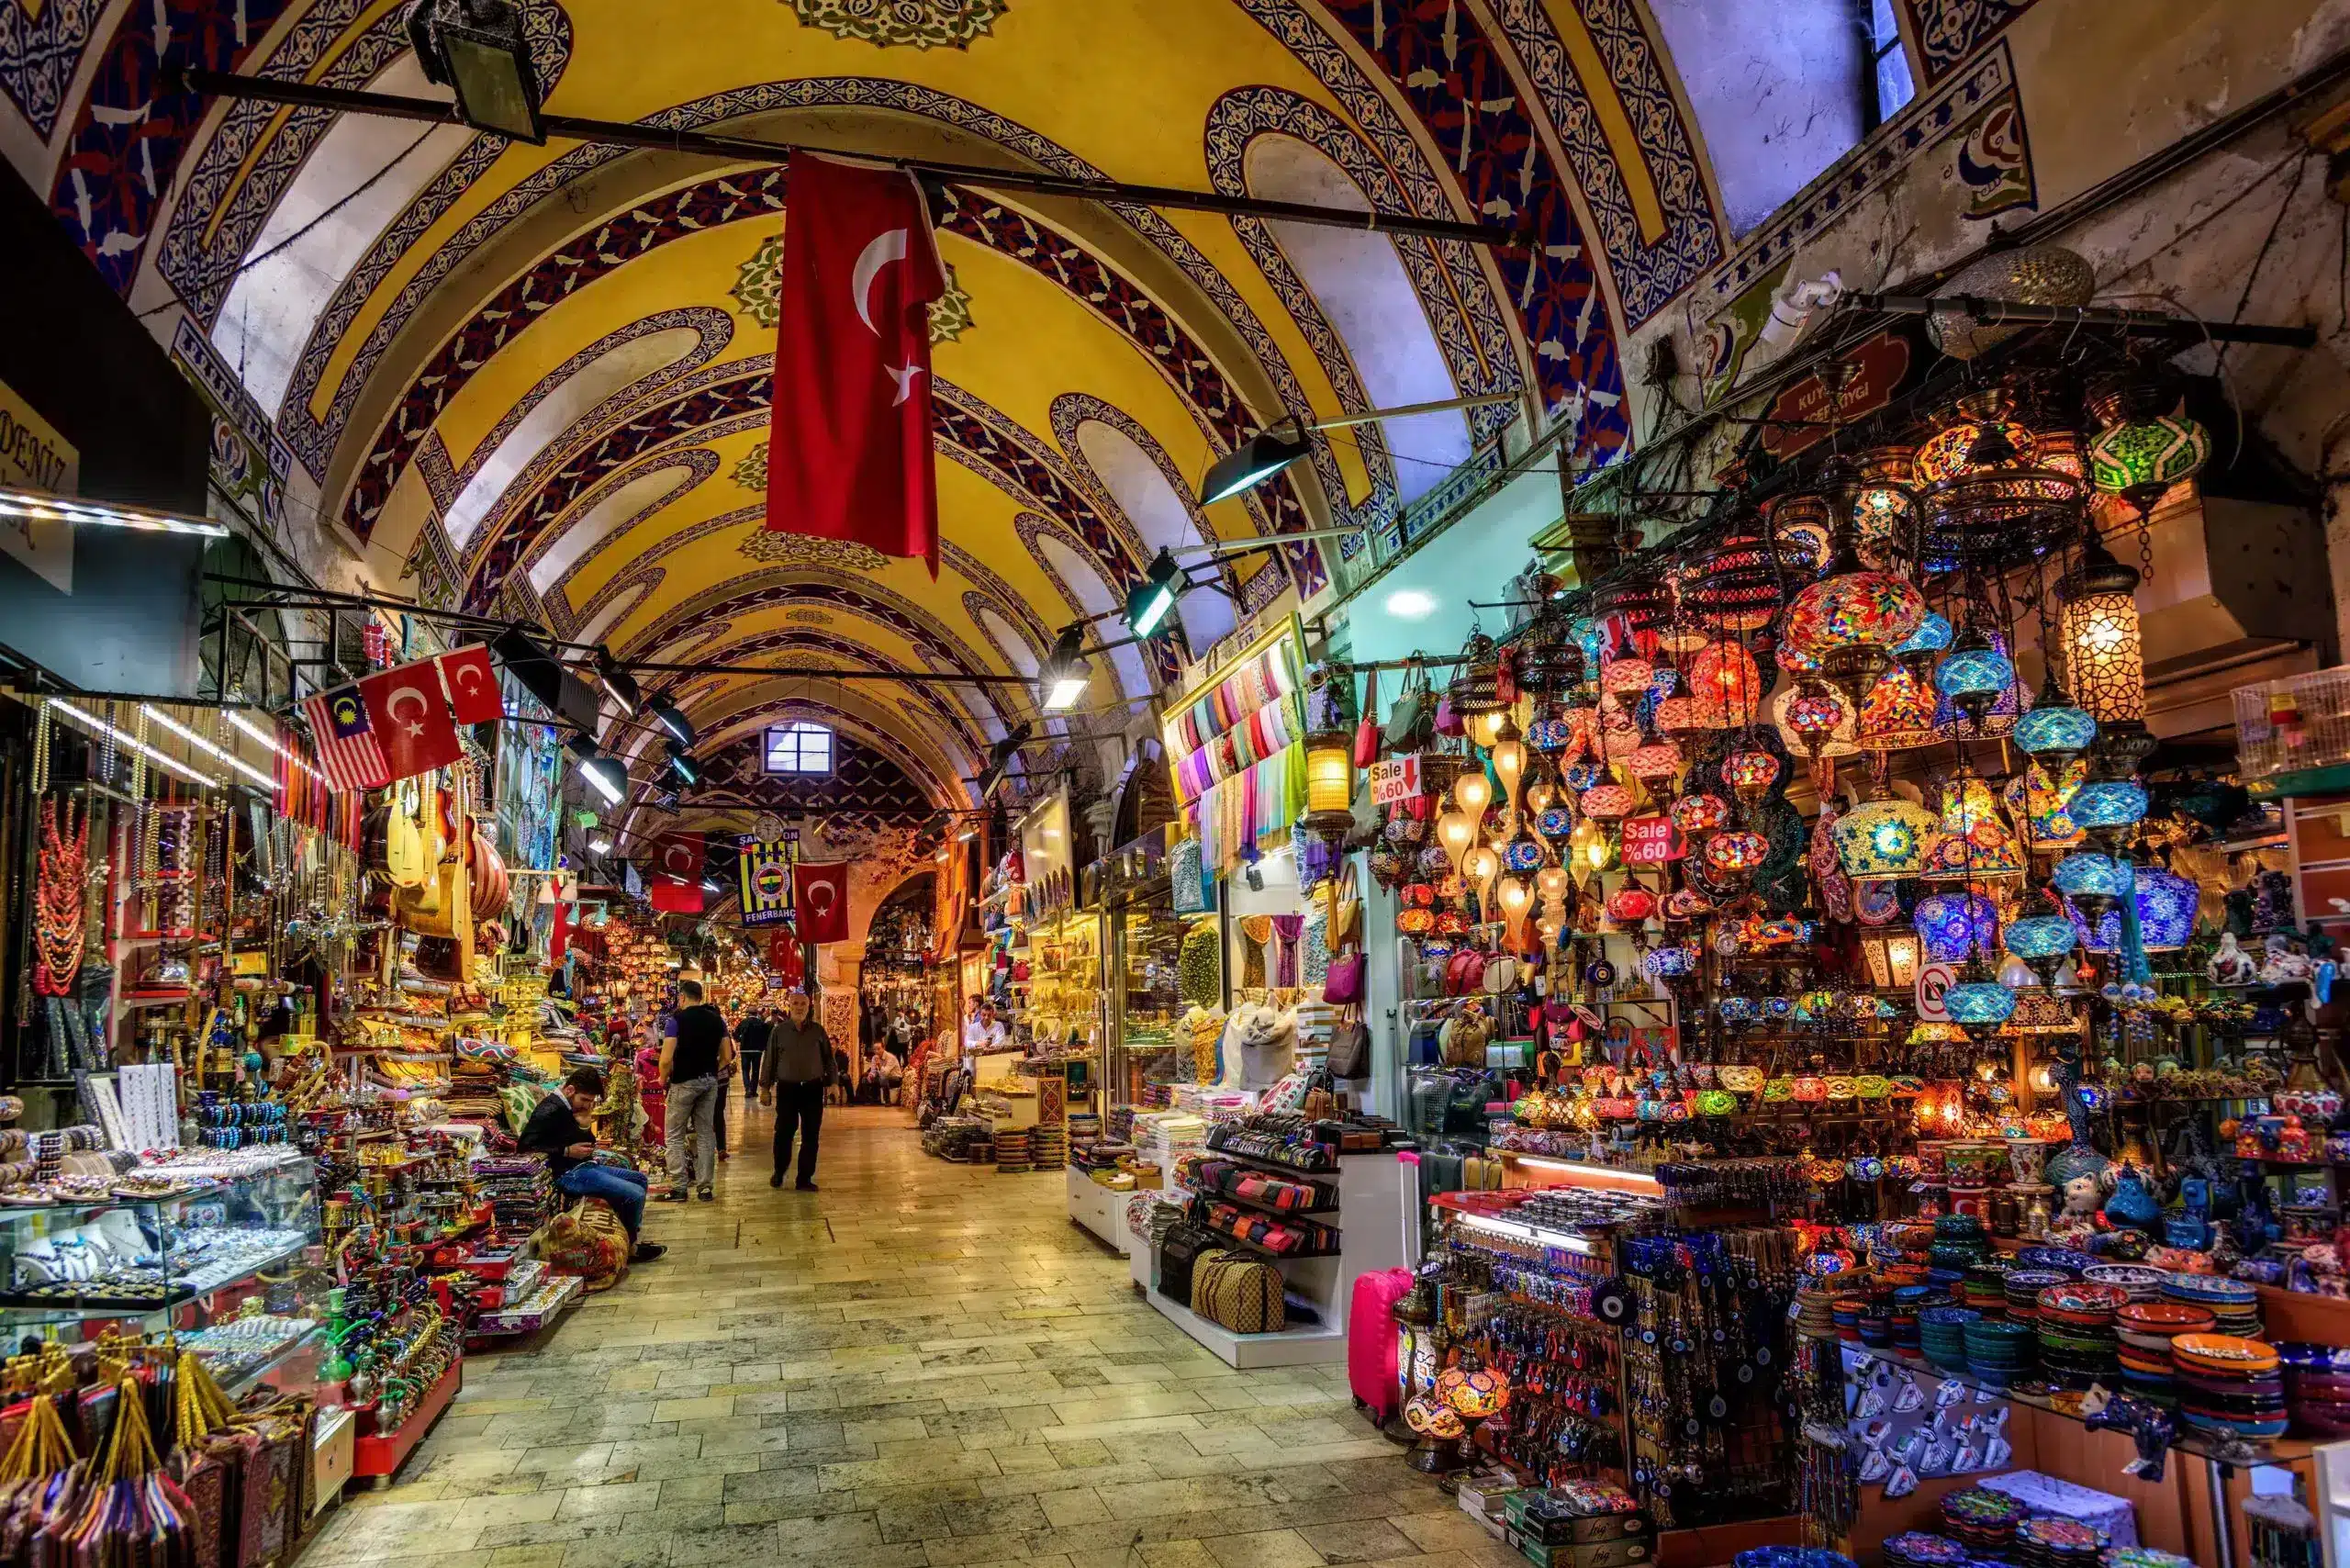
1371	1371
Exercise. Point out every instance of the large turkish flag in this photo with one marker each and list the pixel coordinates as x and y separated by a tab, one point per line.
848	438
820	901
674	886
411	720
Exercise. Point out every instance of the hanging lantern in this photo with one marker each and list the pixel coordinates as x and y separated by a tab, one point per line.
1979	1003
1956	926
1514	900
1508	754
1918	650
1540	797
1686	719
1589	849
1455	832
1974	675
2042	941
2038	806
1974	839
1898	714
1523	853
1736	852
1985	501
1803	527
1816	720
1478	869
2104	656
2166	908
1892	956
1629	906
1555	822
1472	793
1625	677
1751	771
1698	815
2054	732
1882	507
1551	665
1687	903
2041	1013
1981	434
1739	584
1724	675
2094	882
1476	683
1552	882
1549	735
1581	775
1855	609
1670	962
2147	444
1329	782
1879	840
2108	810
1608	802
1654	764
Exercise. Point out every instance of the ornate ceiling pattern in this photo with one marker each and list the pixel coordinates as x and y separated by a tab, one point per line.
538	377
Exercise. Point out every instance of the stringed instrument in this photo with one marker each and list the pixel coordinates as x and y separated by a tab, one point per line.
405	859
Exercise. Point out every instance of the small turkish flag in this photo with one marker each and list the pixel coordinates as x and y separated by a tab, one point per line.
848	438
820	901
472	684
783	955
411	718
675	886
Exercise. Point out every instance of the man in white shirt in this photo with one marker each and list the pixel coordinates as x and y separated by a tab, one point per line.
982	1030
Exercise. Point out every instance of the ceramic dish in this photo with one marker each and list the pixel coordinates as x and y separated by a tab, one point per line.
2209	1289
2063	1258
2225	1353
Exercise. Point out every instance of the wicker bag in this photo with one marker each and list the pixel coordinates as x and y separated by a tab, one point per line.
1241	1293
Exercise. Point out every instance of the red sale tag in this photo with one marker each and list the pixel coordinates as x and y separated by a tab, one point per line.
1651	841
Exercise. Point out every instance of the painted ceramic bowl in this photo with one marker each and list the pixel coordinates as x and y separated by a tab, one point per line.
2225	1353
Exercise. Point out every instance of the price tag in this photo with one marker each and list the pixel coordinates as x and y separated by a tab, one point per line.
1395	779
1651	841
1932	980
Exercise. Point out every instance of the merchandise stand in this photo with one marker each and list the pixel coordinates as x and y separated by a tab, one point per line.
378	1455
1374	1195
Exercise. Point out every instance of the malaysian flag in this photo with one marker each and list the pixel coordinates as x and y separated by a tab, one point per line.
347	748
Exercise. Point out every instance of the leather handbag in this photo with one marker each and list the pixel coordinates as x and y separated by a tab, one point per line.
1412	719
1366	731
1239	1292
1349	1055
1178	1257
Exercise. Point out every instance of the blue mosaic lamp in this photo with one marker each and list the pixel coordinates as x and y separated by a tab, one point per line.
1877	840
2108	809
1920	648
1953	925
2054	732
1979	1003
2166	908
1974	675
1670	962
2042	941
2095	883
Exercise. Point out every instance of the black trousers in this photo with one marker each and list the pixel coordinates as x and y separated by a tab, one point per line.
800	1104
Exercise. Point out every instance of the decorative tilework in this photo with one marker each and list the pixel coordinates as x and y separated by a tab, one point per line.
1947	31
1917	129
39	47
1071	409
1990	158
650	556
920	24
1647	277
936	713
698	462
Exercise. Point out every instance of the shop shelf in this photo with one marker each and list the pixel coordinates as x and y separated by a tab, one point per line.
1227	1238
1262	1207
379	1454
1306	1346
236	1387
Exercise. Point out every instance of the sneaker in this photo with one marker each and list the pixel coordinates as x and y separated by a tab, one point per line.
804	1186
721	1154
708	1196
776	1180
646	1251
677	1197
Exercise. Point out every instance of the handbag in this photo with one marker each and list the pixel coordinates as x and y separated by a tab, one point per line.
1179	1255
1366	732
1410	721
1349	1056
1239	1292
1342	982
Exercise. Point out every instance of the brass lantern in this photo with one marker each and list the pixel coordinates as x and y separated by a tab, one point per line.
1329	782
2105	663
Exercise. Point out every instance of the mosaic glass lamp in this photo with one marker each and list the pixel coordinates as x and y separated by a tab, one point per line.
2140	459
1882	839
2098	632
1608	802
1698	815
2108	810
1979	1003
1772	931
1737	853
1922	647
2095	883
1670	962
2041	1013
1882	505
1898	714
1953	925
1816	721
1797	661
1626	677
1684	719
1799	529
1725	674
1751	771
1973	677
1654	764
2038	806
1973	838
1982	437
2054	732
2166	908
2042	941
1892	957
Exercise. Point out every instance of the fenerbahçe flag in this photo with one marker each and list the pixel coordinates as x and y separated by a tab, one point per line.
766	871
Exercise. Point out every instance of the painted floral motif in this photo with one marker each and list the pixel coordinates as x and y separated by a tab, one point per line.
920	24
751	471
801	550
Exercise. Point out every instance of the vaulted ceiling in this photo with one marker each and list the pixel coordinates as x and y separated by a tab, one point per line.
535	378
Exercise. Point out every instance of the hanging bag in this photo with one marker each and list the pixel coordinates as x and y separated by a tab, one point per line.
1411	721
1366	731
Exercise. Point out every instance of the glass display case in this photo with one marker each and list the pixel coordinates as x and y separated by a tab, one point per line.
224	1264
1146	992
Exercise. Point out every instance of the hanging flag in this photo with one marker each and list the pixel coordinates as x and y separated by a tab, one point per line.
348	754
472	684
763	867
410	716
783	957
849	432
674	883
820	901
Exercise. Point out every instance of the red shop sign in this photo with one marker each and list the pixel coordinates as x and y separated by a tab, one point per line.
1652	841
1876	368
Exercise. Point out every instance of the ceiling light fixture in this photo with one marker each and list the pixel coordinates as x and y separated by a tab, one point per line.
1270	451
266	781
682	765
609	775
477	49
600	845
1065	675
92	722
33	506
1148	606
271	741
617	681
672	719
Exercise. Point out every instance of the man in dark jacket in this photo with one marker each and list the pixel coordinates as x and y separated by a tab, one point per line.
793	1071
751	1039
554	1130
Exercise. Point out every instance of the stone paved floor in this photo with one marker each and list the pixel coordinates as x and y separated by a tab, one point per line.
923	1366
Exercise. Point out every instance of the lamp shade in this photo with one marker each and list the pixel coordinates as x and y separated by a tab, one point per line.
2108	803
1738	852
2059	732
1431	1417
1973	838
1882	839
1474	1390
1892	959
1898	714
1686	718
1817	721
1670	962
1934	634
1977	1003
2167	903
2091	875
1751	771
1725	674
1631	906
1472	792
1962	448
1698	815
1975	674
1855	609
2139	459
1626	677
2104	647
2038	806
1330	780
1952	925
1608	802
1656	762
2041	939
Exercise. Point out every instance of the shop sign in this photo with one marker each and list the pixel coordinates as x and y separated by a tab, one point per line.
33	456
1652	841
1395	779
764	868
1870	375
1932	980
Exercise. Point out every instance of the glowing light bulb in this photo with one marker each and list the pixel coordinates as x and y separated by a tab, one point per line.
1551	883
1509	762
1472	792
1456	833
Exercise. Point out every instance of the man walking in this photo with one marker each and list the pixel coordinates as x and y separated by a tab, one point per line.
554	1130
694	1065
751	1040
793	1071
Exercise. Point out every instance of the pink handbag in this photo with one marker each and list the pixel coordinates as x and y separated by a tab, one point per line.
1342	983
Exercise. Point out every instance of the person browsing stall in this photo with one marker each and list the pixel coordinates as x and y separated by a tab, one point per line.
694	1065
793	1073
555	1130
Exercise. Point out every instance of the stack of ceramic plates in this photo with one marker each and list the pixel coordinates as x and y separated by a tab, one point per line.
1981	1521
1907	1301
1916	1549
2234	1305
1997	1352
1048	1148
2063	1258
1986	1287
2142	1282
1790	1557
2023	1287
2145	1329
1845	1312
2317	1388
1011	1150
2076	1342
2057	1543
1941	1334
2229	1386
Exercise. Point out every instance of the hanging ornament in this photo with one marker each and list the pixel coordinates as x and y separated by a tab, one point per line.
1749	771
2147	445
1974	675
2054	732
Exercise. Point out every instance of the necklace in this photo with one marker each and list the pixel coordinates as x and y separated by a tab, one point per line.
58	925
